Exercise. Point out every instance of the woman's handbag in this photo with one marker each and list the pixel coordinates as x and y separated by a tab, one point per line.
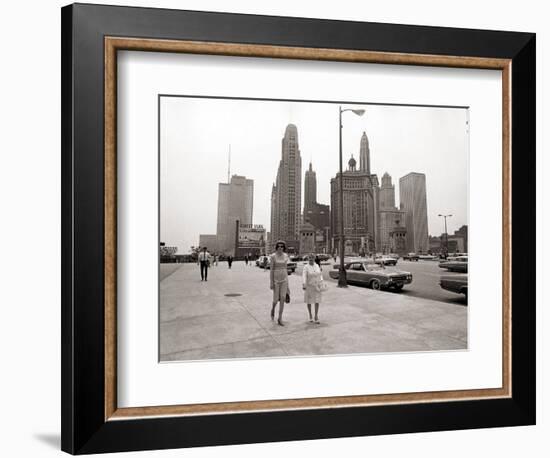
321	286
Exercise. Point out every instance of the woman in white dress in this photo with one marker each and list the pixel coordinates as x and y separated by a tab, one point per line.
312	284
279	279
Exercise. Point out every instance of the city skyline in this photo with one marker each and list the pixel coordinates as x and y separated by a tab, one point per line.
400	139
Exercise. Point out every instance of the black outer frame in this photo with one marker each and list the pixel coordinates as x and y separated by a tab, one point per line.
84	429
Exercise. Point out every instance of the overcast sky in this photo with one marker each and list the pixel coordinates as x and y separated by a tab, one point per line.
196	134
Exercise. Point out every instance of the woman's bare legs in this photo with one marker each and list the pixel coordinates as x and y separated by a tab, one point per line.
281	309
316	312
309	311
273	311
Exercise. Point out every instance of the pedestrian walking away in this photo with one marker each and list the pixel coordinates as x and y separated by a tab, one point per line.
313	285
204	257
246	259
318	261
278	275
229	260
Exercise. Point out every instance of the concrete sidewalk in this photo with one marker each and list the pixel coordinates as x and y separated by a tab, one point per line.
229	317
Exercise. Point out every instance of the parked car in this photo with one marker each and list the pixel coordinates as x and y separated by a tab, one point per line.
291	267
323	257
428	257
385	260
460	264
456	283
455	256
263	260
410	257
393	255
266	261
373	275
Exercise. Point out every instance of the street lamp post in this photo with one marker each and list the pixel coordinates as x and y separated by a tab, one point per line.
446	234
342	280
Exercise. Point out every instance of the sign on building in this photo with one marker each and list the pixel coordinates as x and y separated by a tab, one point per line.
251	239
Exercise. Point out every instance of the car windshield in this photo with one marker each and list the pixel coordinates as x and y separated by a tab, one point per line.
371	267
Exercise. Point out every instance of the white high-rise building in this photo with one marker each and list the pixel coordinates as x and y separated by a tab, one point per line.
235	202
412	199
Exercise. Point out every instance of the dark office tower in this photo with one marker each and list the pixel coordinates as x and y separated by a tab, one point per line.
364	154
287	191
387	192
391	220
310	189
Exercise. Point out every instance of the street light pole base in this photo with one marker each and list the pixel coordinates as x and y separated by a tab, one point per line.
342	280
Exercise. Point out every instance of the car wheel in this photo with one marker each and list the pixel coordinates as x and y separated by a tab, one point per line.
375	284
399	287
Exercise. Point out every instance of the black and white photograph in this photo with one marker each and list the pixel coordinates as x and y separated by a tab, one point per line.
294	228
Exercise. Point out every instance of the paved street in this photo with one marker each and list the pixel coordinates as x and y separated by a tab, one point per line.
228	317
425	280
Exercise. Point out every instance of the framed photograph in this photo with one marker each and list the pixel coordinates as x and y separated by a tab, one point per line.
272	221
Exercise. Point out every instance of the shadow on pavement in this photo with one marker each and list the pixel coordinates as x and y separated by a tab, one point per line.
51	439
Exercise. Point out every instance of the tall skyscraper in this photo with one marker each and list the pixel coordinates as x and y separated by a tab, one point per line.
235	202
316	215
360	209
412	198
310	189
286	196
364	154
390	217
387	192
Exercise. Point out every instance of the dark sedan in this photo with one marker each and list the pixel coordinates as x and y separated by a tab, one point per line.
457	283
373	275
411	257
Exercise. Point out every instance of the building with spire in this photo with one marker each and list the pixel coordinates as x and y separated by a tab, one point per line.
360	190
310	189
391	219
286	194
316	216
372	221
364	154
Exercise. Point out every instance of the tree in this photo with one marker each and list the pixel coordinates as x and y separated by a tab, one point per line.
195	252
